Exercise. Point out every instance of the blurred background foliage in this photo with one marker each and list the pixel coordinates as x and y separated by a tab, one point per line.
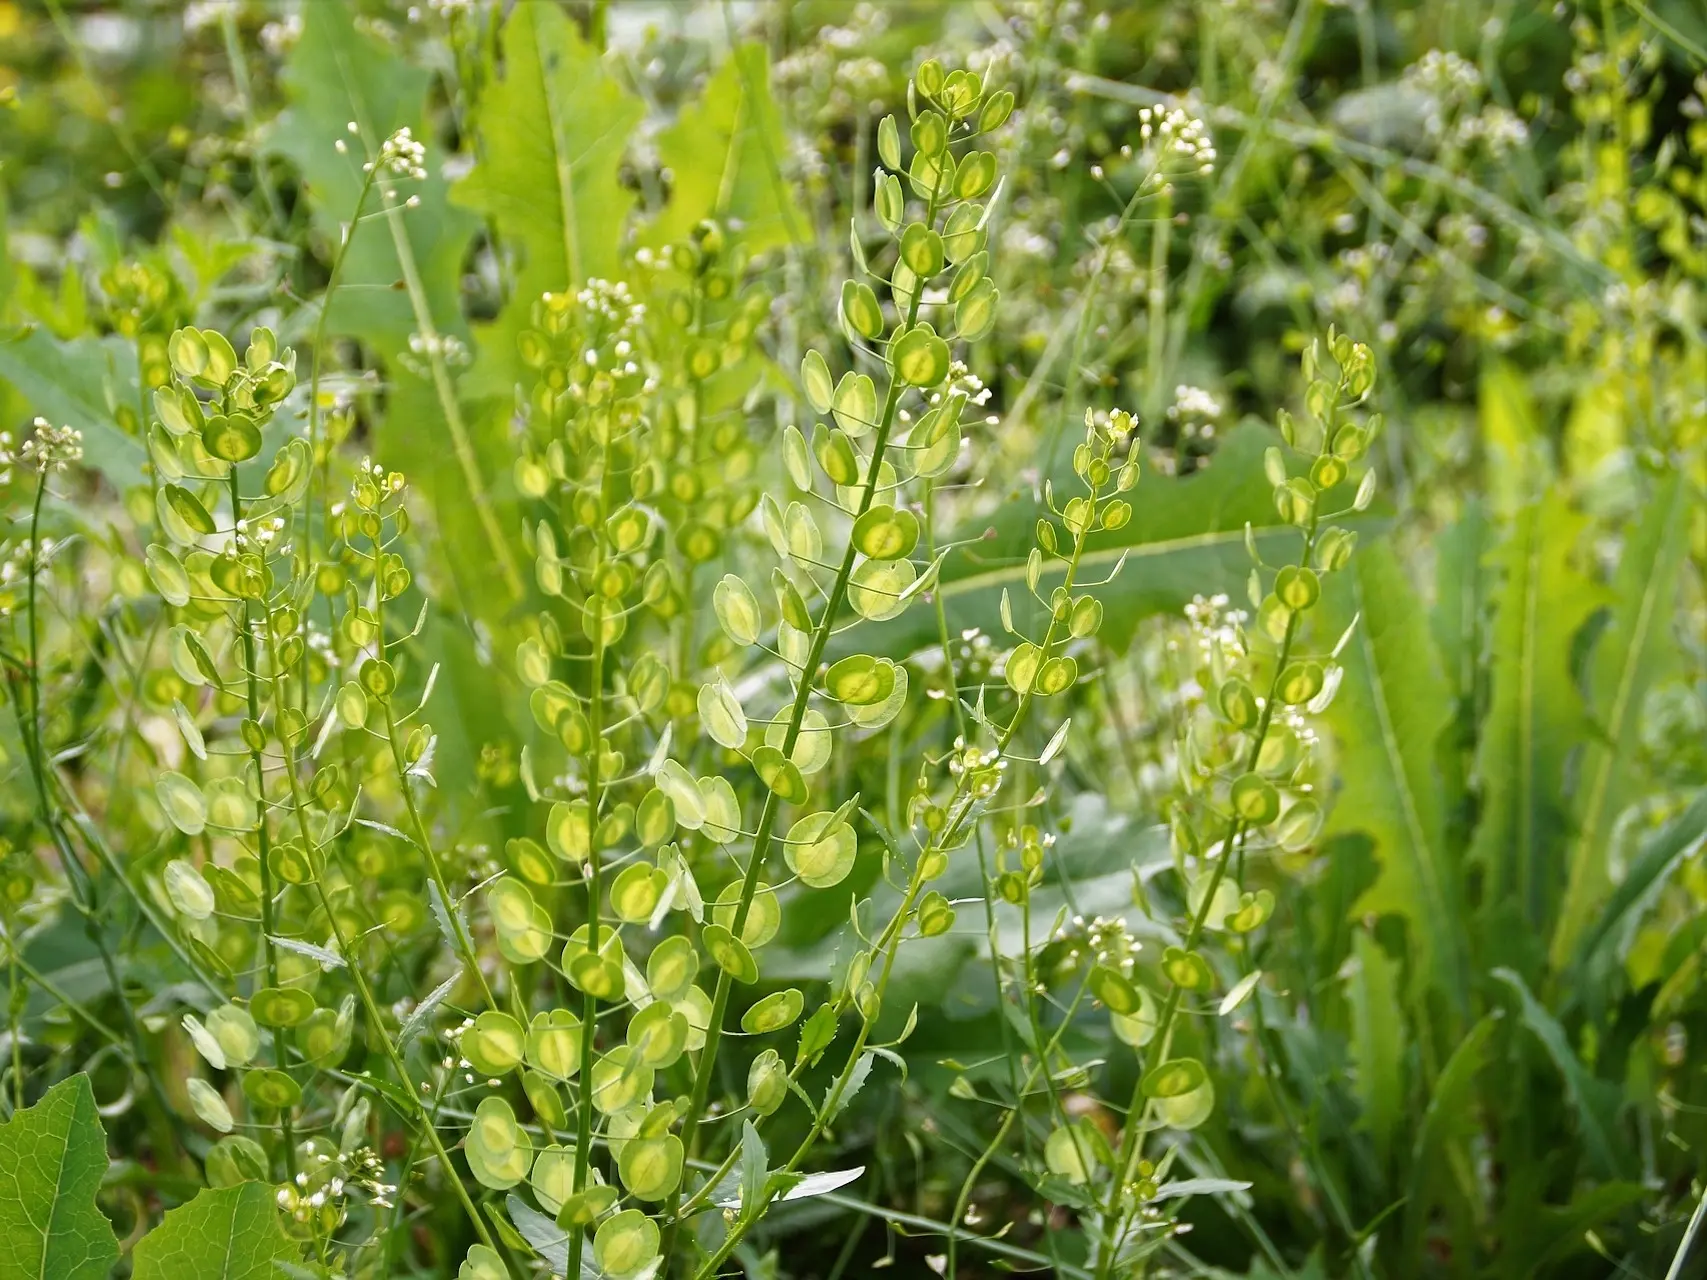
1477	1052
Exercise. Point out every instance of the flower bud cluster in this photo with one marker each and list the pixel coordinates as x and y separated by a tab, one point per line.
400	155
49	448
1178	140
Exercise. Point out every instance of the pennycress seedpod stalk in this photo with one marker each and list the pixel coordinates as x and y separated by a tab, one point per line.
1260	797
50	451
867	461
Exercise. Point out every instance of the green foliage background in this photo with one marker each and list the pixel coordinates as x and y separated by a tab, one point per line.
1471	1043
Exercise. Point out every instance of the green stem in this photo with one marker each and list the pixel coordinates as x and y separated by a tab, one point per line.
762	838
14	997
78	880
262	835
320	468
462	444
595	750
246	102
1156	299
1131	1141
435	868
962	808
991	935
995	1143
353	963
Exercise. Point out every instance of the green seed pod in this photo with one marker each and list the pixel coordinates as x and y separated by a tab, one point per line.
936	916
625	1243
1297	588
862	317
930	133
767	1083
553	1045
494	1045
1255	799
1238	703
889	142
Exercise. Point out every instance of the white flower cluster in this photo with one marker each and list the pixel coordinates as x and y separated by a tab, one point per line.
1177	138
610	310
963	380
986	765
446	9
1214	624
16	566
49	448
1499	130
371	472
1453	86
1443	74
279	38
1193	403
833	74
199	14
400	154
256	535
446	346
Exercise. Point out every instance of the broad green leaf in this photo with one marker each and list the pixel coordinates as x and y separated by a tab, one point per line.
1535	718
1186	537
1449	1121
548	1239
726	153
1515	448
81	383
551	130
1392	705
229	1234
1595	1101
1459	624
1630	654
1602	944
1377	1042
336	75
52	1159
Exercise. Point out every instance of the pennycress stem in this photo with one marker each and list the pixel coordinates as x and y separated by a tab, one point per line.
423	837
1132	1139
762	838
252	684
595	606
352	962
962	808
320	468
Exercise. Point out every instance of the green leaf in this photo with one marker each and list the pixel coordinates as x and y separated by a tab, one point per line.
333	76
1535	718
80	383
1631	653
1602	945
1515	449
52	1159
1458	622
229	1234
1450	1119
551	132
1595	1101
1392	705
1377	1042
1186	537
336	75
726	154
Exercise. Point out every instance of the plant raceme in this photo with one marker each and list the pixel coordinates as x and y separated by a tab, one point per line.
587	697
